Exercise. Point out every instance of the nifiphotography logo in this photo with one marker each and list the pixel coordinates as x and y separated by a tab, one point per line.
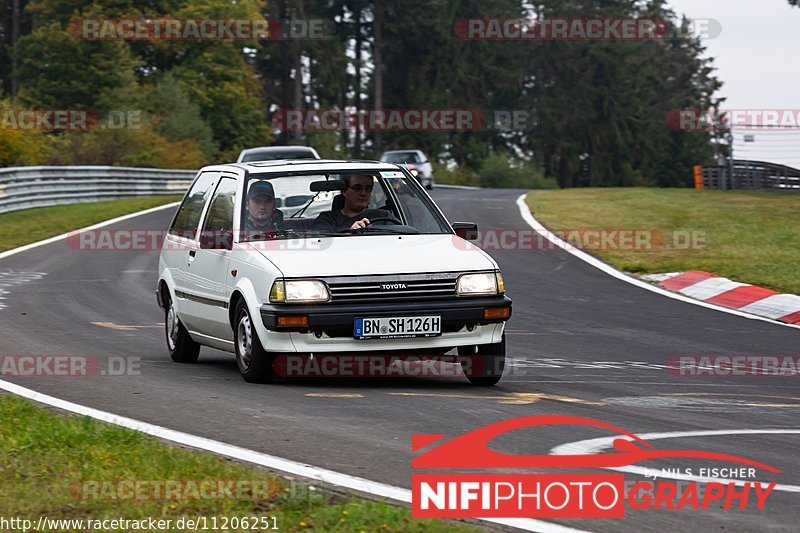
563	495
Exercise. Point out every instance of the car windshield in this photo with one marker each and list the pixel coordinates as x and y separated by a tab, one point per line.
284	206
402	157
271	155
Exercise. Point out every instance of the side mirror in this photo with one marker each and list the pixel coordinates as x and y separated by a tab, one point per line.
216	240
466	230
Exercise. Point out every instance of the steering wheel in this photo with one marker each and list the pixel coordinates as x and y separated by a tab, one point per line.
391	219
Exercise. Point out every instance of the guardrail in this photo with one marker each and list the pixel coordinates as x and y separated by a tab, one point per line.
751	175
27	187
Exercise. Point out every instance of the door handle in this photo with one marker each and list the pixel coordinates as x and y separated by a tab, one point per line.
192	253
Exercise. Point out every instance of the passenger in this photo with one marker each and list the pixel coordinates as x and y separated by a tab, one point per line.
262	217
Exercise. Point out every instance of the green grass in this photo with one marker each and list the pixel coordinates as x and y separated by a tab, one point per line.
43	453
751	237
30	225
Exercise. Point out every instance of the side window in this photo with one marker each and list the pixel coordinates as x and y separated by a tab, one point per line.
220	212
416	212
188	217
378	200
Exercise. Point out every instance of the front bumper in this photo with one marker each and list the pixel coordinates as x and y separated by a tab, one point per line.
336	320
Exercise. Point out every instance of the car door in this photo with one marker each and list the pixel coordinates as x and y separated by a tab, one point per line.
182	240
207	269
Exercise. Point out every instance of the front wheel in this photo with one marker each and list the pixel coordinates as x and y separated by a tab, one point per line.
485	364
254	362
182	349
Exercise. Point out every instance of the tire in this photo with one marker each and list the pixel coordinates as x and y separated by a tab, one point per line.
493	357
255	363
430	185
181	347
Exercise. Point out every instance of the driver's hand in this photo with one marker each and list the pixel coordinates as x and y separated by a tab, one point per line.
360	224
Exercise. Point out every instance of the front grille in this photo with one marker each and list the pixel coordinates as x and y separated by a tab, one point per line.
392	288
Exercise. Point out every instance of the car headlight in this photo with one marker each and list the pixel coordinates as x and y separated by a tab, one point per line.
298	291
478	284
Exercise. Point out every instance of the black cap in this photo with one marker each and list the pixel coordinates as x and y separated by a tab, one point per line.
261	187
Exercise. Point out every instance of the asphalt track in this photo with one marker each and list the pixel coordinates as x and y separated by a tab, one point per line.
581	342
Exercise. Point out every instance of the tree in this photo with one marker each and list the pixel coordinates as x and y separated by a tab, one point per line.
58	71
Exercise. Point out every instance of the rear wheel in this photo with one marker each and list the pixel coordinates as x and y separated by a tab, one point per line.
182	349
485	364
255	363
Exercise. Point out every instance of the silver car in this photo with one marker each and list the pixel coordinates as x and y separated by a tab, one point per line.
415	161
271	153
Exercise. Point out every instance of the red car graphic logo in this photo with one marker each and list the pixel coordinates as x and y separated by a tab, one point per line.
471	450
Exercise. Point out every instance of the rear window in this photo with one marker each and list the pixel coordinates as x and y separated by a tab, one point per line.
274	154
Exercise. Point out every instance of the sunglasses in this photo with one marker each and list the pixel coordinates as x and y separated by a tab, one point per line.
362	188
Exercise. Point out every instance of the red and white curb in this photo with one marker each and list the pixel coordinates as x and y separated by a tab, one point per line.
721	291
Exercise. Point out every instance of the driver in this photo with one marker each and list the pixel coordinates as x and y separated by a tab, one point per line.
262	217
354	215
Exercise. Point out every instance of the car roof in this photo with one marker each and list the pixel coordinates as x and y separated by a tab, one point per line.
310	165
287	148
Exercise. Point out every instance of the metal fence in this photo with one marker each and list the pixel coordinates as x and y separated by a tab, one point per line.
749	175
27	187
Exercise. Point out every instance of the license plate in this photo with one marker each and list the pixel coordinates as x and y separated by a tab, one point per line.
397	327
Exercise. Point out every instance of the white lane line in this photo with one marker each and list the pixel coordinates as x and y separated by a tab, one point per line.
57	238
11	279
525	212
711	287
269	461
775	306
445	186
604	443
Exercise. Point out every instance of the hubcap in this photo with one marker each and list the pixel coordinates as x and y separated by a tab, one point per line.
172	328
244	341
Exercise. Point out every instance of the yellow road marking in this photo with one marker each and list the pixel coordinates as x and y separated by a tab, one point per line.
333	395
120	327
514	398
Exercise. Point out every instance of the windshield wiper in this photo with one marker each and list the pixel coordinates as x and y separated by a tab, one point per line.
400	229
316	233
303	209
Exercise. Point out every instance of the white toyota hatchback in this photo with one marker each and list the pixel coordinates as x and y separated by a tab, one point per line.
239	274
